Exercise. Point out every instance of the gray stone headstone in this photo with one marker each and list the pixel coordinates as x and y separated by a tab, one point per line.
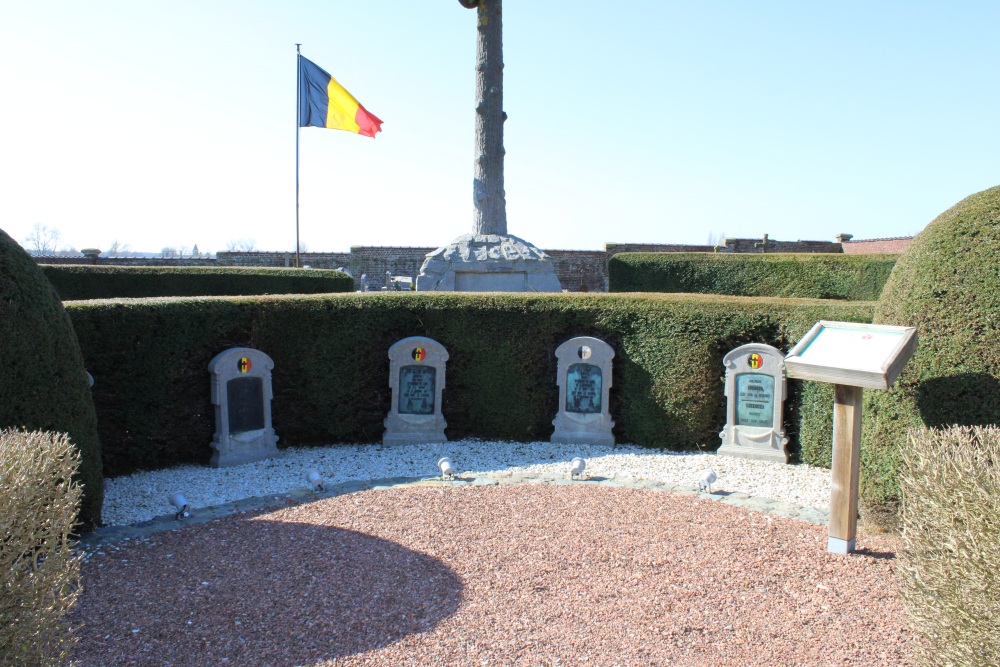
755	390
416	376
241	394
584	378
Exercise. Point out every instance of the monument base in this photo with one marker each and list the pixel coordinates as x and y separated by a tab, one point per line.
246	447
488	263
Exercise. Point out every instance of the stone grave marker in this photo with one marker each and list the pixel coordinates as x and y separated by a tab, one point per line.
416	376
241	394
756	390
584	378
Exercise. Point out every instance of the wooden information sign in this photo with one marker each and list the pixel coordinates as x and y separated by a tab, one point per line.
851	356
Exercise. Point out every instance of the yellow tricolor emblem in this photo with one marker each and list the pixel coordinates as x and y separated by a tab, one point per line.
244	364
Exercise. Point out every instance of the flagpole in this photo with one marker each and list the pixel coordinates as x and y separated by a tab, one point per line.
298	120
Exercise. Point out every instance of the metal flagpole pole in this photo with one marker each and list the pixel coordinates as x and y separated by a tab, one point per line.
298	121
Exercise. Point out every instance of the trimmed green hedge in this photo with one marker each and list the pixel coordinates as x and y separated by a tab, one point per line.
43	384
813	276
150	358
947	285
80	281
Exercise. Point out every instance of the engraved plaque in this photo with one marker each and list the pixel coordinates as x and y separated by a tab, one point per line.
755	400
583	389
416	390
246	404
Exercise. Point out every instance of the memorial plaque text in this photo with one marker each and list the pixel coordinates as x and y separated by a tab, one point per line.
416	390
246	404
583	389
754	400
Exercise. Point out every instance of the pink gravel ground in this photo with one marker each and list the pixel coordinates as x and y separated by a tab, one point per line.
509	575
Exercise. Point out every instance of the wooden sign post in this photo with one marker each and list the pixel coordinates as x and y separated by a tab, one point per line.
851	356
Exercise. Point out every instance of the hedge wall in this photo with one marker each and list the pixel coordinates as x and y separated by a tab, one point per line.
819	276
43	384
76	282
149	359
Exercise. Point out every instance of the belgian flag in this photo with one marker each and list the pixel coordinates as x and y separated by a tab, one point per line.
325	103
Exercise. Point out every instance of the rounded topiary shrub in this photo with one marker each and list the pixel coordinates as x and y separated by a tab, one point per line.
947	285
43	384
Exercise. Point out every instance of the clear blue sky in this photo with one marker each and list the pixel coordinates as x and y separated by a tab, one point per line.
173	123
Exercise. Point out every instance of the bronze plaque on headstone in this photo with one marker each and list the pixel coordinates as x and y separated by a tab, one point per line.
246	404
583	389
416	390
755	399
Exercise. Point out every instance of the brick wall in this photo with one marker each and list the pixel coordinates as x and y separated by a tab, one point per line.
374	261
128	261
317	260
581	270
615	248
898	244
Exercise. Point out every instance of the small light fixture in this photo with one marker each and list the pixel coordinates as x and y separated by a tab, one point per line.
707	479
180	504
576	468
447	471
315	480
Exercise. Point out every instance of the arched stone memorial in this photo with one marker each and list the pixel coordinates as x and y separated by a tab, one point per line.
416	376
241	394
584	378
756	389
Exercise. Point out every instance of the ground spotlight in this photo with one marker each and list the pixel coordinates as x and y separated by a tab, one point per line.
447	471
707	479
180	504
576	468
315	480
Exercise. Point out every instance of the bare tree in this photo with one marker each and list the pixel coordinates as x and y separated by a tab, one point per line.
118	249
42	240
169	252
303	246
241	245
487	189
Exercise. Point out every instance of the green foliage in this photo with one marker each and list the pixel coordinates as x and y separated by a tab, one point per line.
77	282
39	573
43	385
814	276
947	285
950	510
330	380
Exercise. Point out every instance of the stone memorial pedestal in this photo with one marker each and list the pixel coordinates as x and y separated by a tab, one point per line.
584	378
756	390
416	376
241	394
488	263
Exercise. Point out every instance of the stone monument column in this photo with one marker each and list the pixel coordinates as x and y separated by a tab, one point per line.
489	259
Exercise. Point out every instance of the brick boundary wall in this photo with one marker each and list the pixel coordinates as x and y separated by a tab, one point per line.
897	244
581	270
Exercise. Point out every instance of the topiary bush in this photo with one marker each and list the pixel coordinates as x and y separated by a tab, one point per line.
39	573
43	385
950	511
797	275
947	285
75	282
330	380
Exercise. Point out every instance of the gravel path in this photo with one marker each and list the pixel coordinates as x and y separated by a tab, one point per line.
142	496
496	575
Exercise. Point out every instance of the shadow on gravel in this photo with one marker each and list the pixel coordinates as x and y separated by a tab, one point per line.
254	591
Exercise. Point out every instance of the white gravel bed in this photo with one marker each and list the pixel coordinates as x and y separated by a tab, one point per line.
141	496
